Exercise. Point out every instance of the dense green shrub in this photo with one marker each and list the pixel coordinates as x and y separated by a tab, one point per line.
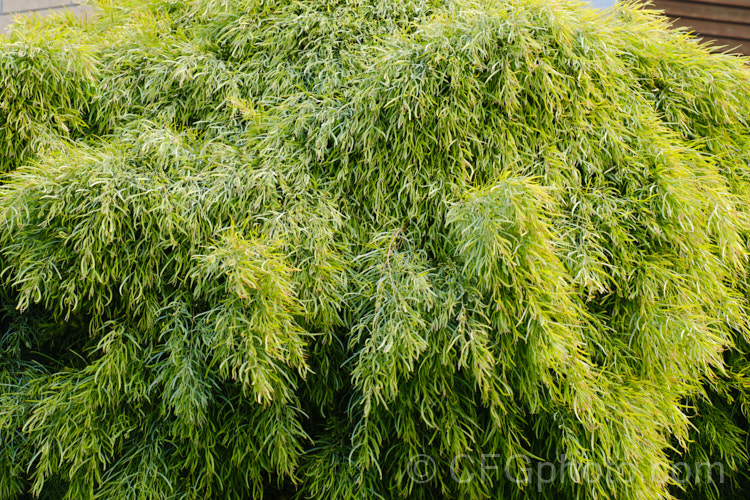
358	248
46	83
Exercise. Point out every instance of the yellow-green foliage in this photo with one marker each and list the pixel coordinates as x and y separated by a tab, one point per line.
270	248
46	84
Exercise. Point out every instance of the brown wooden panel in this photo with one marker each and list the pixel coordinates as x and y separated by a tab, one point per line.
704	11
731	45
715	28
734	3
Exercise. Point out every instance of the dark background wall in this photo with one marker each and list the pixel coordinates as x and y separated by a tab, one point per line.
725	21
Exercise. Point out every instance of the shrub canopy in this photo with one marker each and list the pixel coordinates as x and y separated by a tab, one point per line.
270	247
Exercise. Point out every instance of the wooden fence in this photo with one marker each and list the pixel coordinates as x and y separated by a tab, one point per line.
727	22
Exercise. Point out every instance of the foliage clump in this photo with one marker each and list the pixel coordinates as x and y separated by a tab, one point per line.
257	248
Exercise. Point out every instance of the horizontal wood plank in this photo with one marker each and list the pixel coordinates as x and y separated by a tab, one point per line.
731	45
733	3
715	28
704	11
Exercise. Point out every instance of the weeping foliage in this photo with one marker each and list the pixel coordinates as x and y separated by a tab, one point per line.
258	248
46	84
